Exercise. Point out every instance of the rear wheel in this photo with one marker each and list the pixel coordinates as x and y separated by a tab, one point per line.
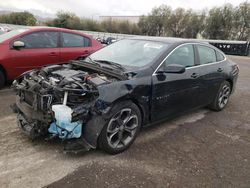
2	79
222	97
121	129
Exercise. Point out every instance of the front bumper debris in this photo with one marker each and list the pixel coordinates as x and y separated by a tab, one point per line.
59	101
29	128
32	129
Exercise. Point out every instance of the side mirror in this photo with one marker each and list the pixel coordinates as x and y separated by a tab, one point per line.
173	68
18	44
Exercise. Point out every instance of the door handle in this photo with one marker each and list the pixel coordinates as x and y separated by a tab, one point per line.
86	51
219	69
194	75
52	54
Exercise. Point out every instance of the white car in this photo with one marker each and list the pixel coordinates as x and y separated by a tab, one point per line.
4	29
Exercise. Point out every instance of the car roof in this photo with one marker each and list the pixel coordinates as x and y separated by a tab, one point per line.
170	40
46	28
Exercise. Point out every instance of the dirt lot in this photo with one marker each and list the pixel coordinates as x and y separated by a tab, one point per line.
200	149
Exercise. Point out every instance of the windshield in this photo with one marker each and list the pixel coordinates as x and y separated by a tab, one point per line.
129	52
10	34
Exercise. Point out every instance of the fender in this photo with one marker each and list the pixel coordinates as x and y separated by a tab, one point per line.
109	95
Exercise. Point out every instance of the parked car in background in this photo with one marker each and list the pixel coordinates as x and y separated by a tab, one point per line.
4	29
110	40
104	100
30	48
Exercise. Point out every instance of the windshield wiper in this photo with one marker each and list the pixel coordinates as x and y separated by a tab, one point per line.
90	60
110	63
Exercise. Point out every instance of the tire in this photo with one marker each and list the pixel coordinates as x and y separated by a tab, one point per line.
2	79
121	129
222	97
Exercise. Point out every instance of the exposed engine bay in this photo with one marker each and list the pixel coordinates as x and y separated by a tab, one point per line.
58	100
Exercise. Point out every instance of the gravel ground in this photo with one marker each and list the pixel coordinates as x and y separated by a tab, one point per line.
199	149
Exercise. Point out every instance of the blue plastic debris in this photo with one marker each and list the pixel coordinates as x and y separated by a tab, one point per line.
63	127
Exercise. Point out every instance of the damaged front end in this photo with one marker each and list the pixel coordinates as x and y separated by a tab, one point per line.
59	100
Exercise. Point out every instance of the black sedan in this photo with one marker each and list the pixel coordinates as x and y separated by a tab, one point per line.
105	99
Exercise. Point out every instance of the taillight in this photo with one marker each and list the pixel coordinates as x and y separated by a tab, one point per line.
236	69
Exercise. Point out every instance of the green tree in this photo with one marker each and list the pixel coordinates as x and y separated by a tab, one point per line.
153	24
195	25
219	23
66	20
162	21
110	25
226	22
125	26
241	30
19	18
144	25
91	25
178	22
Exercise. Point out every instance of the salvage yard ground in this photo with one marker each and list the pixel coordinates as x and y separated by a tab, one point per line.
200	149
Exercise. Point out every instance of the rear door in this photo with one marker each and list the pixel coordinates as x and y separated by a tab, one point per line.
41	48
211	70
174	93
74	46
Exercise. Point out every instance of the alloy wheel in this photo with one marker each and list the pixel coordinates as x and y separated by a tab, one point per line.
224	96
121	128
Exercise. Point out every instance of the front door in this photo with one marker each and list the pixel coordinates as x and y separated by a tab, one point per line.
174	93
41	48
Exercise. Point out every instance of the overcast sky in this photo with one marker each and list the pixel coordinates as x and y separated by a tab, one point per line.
95	8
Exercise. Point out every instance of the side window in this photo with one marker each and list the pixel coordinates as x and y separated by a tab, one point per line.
207	55
183	55
42	39
73	40
219	55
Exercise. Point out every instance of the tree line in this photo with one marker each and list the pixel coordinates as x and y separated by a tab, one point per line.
71	21
19	18
226	22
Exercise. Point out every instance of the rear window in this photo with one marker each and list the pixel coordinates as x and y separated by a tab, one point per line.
207	55
73	40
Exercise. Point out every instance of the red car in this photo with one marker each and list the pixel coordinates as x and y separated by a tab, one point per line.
29	48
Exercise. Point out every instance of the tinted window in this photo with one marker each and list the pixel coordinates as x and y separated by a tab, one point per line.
41	40
206	54
183	55
220	57
72	40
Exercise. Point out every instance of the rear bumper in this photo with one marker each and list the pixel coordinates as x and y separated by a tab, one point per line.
235	78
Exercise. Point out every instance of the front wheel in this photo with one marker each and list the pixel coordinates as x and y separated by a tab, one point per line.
121	129
222	97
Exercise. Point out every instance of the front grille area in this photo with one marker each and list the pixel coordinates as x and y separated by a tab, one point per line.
41	102
44	102
28	97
